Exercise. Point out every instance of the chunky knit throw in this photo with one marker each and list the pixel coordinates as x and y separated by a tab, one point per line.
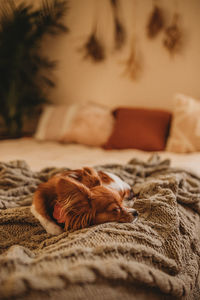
159	254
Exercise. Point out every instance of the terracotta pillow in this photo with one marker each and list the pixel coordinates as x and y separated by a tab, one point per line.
138	128
185	128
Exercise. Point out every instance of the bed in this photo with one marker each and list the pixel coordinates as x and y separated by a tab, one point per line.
157	257
39	155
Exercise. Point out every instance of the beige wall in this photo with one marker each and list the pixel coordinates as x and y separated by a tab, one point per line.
162	76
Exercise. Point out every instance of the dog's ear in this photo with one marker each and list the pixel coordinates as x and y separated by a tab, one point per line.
90	177
70	188
76	174
75	199
88	170
104	177
80	173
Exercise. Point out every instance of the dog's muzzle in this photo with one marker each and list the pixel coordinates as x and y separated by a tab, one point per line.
134	213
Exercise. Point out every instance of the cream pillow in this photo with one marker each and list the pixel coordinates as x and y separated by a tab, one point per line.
91	125
185	127
54	121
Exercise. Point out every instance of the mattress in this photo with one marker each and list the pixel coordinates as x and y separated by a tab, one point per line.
39	155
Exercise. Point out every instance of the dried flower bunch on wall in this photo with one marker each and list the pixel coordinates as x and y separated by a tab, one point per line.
120	33
133	65
156	22
173	36
93	48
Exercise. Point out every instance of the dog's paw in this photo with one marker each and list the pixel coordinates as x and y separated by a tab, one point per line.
53	229
49	226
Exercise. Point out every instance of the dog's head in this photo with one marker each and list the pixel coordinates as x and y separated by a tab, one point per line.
79	206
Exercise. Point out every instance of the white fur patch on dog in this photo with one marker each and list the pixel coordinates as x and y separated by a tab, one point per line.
49	226
117	183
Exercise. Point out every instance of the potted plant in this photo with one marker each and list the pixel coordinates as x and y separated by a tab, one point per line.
23	67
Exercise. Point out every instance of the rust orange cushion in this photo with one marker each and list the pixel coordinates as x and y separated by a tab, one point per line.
138	128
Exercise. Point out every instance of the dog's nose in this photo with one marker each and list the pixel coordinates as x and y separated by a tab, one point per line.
134	213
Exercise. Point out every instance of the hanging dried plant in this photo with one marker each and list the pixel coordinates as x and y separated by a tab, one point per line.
120	33
173	36
133	65
156	22
114	3
94	49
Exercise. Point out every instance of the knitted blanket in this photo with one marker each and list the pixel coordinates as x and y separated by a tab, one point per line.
159	254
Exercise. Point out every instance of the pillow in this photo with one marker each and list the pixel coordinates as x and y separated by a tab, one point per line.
54	121
185	129
91	125
138	128
88	124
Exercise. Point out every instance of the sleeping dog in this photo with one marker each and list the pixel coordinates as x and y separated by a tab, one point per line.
80	198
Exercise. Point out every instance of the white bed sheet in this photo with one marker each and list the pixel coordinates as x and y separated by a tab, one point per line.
44	154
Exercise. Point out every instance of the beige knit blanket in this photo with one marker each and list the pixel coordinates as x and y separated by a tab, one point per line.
161	250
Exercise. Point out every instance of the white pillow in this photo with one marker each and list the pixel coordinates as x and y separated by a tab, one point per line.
54	121
185	127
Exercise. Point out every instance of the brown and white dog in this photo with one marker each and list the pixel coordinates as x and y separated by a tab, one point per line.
80	198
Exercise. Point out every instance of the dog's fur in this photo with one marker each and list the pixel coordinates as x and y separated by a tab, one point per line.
80	198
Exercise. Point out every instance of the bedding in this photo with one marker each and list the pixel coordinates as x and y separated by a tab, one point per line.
157	257
38	155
